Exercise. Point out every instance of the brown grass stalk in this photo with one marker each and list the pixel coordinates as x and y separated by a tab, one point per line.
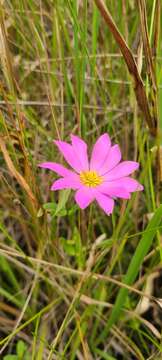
20	179
131	65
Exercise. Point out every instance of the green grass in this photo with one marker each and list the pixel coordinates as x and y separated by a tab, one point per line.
71	281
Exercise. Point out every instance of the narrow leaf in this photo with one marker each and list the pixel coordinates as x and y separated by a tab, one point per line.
134	267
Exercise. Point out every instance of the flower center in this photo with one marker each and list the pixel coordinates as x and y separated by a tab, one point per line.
90	178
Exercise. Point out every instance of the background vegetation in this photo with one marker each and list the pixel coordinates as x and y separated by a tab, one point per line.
78	284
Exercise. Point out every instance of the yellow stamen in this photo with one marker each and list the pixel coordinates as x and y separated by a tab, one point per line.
90	178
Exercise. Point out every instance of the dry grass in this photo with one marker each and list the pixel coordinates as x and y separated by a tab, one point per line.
78	284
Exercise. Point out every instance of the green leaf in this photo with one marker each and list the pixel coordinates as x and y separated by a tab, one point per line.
27	356
68	246
62	212
73	209
51	206
10	357
134	267
21	349
64	195
78	248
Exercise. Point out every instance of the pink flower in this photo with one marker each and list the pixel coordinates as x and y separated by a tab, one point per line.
103	178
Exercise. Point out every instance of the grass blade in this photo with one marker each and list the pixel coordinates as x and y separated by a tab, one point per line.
133	269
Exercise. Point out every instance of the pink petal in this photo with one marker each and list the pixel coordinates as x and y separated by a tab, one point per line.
68	182
129	184
114	190
80	148
105	202
69	155
58	168
84	196
100	151
112	159
123	169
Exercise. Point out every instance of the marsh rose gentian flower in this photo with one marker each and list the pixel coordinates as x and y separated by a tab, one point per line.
103	178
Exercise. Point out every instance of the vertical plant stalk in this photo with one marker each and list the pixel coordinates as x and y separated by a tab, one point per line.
155	50
156	30
7	68
151	69
14	91
131	65
152	92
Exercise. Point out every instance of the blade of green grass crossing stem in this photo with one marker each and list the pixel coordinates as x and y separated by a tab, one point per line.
133	269
29	321
11	298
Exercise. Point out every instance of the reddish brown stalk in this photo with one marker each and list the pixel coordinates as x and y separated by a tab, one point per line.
131	65
149	62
